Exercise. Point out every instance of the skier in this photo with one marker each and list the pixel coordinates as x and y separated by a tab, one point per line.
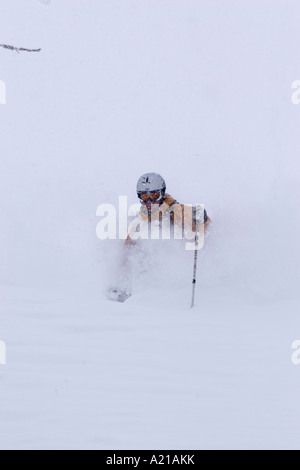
157	205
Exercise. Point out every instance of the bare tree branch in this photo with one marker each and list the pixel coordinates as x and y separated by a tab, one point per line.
19	49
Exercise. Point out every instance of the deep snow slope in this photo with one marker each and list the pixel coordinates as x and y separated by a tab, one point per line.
199	91
148	374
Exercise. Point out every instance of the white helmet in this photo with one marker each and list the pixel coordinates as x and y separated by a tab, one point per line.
149	183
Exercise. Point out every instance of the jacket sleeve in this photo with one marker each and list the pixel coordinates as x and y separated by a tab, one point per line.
187	216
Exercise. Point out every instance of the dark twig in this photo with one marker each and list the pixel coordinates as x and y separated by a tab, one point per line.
19	49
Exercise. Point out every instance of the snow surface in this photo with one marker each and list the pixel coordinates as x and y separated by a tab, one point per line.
199	91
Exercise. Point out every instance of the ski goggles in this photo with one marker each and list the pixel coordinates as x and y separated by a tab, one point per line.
153	196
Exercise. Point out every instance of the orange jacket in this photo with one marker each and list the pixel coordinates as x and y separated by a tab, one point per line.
182	215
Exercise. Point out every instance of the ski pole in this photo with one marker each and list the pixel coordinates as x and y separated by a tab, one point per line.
195	260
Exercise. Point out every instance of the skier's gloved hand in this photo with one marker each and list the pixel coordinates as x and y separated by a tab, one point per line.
199	216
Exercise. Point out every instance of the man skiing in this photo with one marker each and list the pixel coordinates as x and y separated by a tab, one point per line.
158	206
